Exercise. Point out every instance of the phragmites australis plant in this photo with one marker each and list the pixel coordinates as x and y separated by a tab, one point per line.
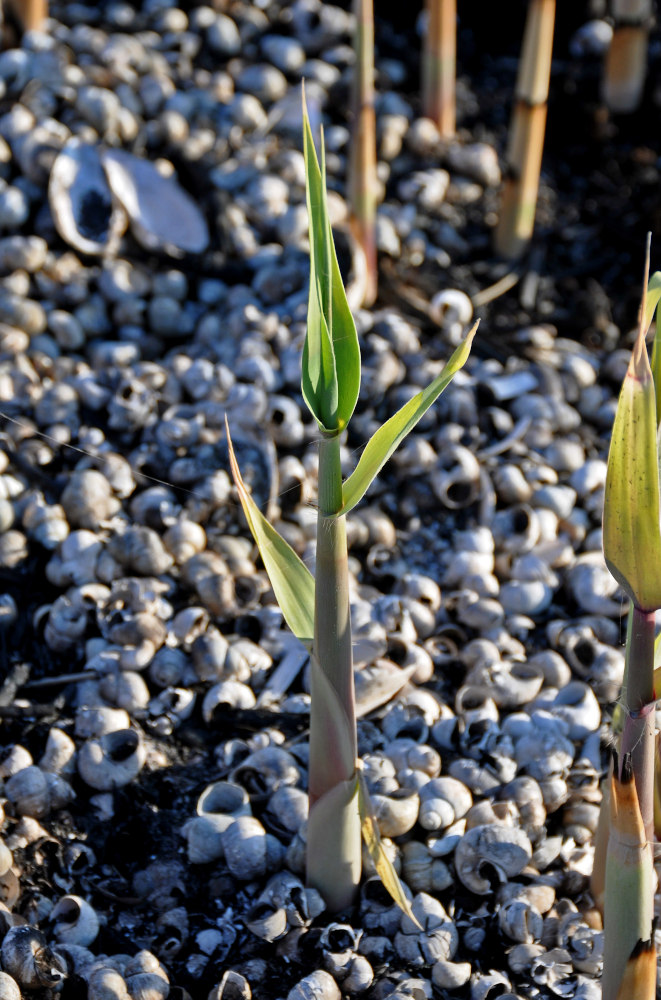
623	878
317	608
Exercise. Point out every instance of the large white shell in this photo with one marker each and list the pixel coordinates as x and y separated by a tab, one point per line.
83	209
163	216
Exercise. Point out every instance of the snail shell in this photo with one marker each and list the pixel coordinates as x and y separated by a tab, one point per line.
495	849
396	813
9	988
28	792
75	921
319	985
27	957
423	872
442	801
113	760
106	983
439	938
450	975
250	852
217	807
520	921
58	755
13	759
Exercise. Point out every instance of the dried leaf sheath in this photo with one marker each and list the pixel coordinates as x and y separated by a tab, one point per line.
629	901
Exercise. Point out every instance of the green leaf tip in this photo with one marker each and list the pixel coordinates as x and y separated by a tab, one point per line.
330	371
292	581
387	439
631	535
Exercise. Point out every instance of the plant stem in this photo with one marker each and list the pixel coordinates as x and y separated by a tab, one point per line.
626	60
439	65
526	137
333	858
638	702
363	180
30	14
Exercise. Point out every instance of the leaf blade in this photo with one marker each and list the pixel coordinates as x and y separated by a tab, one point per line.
333	399
292	581
382	863
386	439
631	535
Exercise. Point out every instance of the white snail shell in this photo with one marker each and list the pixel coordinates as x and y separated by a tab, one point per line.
113	760
75	921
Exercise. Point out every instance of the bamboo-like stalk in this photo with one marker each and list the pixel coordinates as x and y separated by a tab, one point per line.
362	165
526	137
439	65
333	867
30	14
626	60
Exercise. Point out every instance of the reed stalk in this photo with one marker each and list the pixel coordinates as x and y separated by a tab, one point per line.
363	182
439	65
333	741
30	14
527	129
626	60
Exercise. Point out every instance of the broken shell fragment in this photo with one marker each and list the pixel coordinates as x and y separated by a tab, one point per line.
84	211
163	216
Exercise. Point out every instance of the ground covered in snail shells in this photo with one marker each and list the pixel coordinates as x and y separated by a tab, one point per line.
141	649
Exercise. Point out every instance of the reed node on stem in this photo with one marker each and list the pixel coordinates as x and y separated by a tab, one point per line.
526	137
626	59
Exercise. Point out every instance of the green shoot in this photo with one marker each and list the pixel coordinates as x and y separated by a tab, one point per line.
526	137
317	609
632	547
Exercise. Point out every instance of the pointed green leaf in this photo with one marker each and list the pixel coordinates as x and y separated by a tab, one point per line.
334	832
382	862
383	442
330	376
292	582
652	300
631	536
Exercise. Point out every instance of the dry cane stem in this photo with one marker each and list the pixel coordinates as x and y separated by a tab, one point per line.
626	60
439	65
363	180
30	14
526	140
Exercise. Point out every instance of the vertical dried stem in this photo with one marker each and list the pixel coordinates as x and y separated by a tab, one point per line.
30	14
363	178
526	138
626	59
439	65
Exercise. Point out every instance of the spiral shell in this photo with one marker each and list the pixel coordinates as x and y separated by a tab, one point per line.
493	849
75	921
27	957
113	760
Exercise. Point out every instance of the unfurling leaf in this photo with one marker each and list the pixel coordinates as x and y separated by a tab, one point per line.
292	581
382	862
631	536
330	375
383	442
